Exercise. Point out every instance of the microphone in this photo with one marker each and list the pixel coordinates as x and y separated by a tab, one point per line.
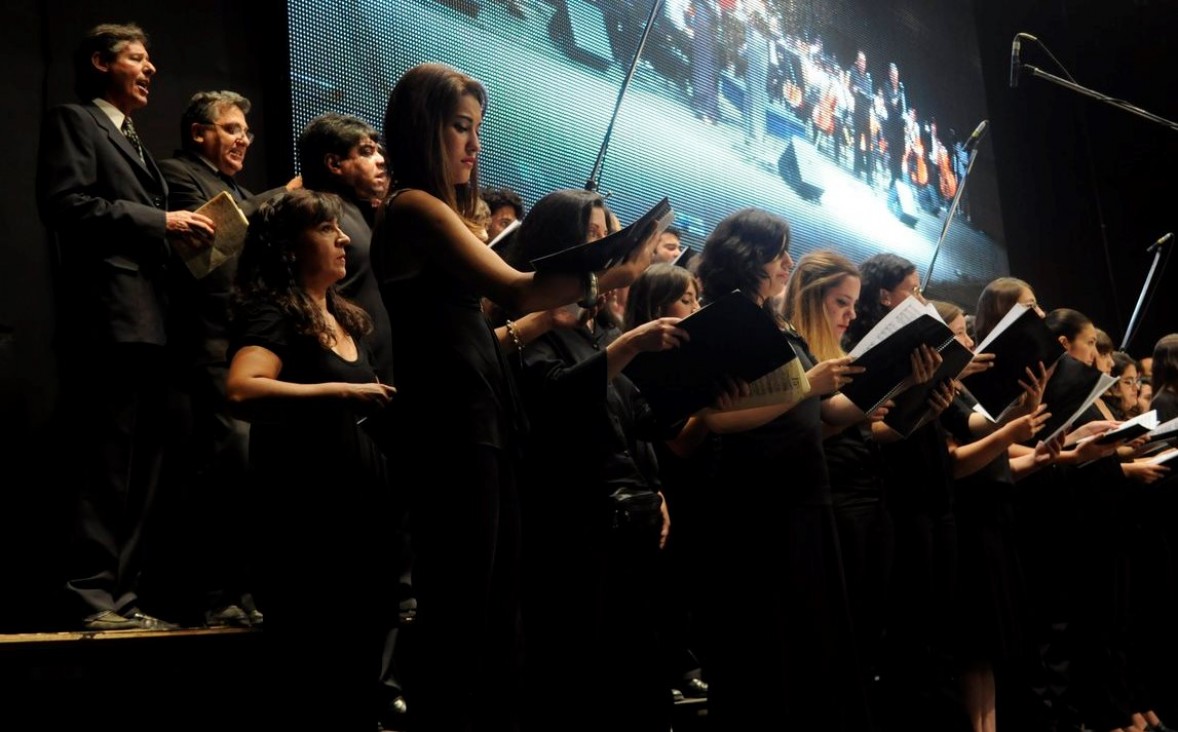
978	133
1159	243
1016	67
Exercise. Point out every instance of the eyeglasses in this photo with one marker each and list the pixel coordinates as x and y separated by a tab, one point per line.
1135	383
233	130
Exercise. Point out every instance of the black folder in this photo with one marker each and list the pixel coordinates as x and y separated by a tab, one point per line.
1067	394
1128	431
912	408
1022	345
611	250
1164	432
731	337
887	363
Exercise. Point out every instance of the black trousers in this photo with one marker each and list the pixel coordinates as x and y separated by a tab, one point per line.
113	414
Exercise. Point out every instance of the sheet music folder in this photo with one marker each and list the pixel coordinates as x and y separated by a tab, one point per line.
1020	341
610	250
1070	392
911	409
1165	432
231	228
888	363
730	337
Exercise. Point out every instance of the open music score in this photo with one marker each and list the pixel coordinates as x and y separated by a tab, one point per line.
885	354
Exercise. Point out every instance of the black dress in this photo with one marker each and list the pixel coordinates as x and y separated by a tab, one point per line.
590	586
322	483
1155	644
687	586
866	539
456	398
917	665
780	649
1073	542
990	590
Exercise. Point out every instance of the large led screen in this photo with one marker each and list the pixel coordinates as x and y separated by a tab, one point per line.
851	118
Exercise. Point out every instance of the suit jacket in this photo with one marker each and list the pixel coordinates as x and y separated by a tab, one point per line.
106	208
191	182
200	308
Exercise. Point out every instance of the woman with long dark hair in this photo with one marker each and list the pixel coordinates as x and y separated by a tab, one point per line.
1079	521
592	614
686	470
455	391
780	648
304	376
1164	379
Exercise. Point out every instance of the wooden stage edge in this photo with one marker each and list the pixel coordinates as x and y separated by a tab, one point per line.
116	635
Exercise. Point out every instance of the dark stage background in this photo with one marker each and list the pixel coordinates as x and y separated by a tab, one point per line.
1084	188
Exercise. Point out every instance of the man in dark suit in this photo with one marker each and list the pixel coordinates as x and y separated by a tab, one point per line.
208	457
101	194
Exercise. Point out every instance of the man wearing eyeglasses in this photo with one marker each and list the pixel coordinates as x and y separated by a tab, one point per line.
214	140
207	459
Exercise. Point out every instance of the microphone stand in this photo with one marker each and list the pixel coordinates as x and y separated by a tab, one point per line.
973	154
1157	255
1118	103
594	176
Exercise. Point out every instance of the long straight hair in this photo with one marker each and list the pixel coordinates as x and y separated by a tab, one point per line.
656	288
814	275
420	107
995	302
558	220
1165	365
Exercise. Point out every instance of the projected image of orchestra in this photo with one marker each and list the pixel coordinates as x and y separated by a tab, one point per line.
851	120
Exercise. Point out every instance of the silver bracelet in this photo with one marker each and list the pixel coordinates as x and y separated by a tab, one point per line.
511	332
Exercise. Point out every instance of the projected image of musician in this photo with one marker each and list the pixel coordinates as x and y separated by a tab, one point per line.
895	124
757	32
705	78
831	111
862	94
